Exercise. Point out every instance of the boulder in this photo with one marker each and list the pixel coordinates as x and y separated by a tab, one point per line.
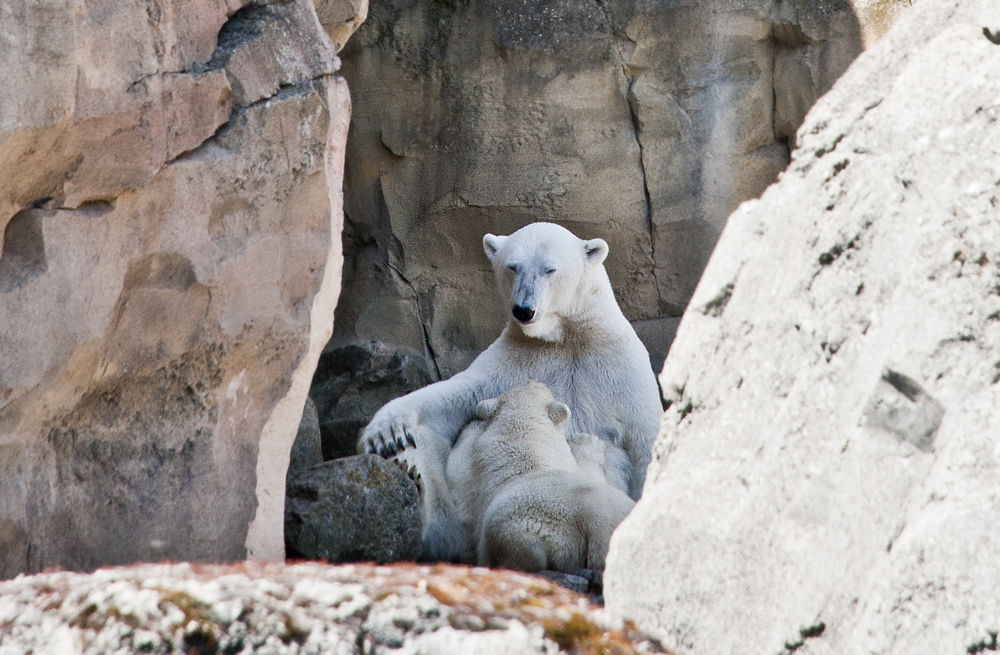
644	123
170	219
825	478
360	508
305	608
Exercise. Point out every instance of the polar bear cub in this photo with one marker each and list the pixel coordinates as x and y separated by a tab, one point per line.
524	500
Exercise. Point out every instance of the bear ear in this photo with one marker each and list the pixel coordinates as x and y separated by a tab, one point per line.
491	244
487	409
596	250
558	412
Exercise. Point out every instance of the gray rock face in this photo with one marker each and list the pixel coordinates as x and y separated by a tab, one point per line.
353	381
307	449
170	218
827	470
360	508
644	123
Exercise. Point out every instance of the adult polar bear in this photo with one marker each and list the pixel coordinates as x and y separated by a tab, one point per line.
565	330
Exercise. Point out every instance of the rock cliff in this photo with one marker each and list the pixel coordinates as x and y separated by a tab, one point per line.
170	215
645	123
825	478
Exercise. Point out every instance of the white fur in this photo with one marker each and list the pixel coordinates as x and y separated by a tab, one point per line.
523	499
578	343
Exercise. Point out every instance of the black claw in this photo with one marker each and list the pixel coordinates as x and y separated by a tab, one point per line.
400	444
410	440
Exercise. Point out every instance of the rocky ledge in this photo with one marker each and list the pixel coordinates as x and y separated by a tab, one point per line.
304	608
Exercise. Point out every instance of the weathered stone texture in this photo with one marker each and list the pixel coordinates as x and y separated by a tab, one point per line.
171	212
360	508
645	123
305	608
340	18
828	463
352	382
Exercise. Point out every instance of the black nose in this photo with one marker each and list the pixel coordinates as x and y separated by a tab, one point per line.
523	314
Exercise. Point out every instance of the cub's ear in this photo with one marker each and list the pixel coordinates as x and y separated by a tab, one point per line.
491	244
596	250
558	412
487	409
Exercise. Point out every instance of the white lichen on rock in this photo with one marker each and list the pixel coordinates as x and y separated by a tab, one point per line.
302	608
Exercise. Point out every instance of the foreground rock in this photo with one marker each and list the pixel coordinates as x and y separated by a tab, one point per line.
353	509
305	608
171	214
826	477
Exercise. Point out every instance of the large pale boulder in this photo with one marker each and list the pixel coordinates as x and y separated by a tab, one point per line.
644	123
826	476
171	215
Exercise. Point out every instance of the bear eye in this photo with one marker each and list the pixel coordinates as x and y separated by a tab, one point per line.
513	267
550	271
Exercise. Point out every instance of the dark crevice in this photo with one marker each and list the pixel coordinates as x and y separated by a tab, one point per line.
983	644
833	146
420	318
241	28
22	251
284	91
637	133
774	88
810	632
717	304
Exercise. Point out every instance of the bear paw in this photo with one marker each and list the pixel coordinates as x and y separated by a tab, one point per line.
412	473
386	439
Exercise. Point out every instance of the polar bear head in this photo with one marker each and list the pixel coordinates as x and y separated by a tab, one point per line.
545	271
529	403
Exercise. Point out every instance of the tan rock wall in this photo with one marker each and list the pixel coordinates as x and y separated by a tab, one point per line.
171	212
645	123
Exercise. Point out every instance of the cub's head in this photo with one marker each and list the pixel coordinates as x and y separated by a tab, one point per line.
530	402
543	269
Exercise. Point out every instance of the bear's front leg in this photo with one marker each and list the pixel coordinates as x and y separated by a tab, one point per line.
439	410
443	536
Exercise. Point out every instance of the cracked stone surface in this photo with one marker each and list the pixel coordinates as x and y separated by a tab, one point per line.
353	509
825	480
305	608
644	123
171	218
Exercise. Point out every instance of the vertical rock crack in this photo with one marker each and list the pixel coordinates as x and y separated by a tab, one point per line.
420	317
634	116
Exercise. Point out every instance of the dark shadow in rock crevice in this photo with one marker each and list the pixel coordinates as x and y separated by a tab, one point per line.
23	254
